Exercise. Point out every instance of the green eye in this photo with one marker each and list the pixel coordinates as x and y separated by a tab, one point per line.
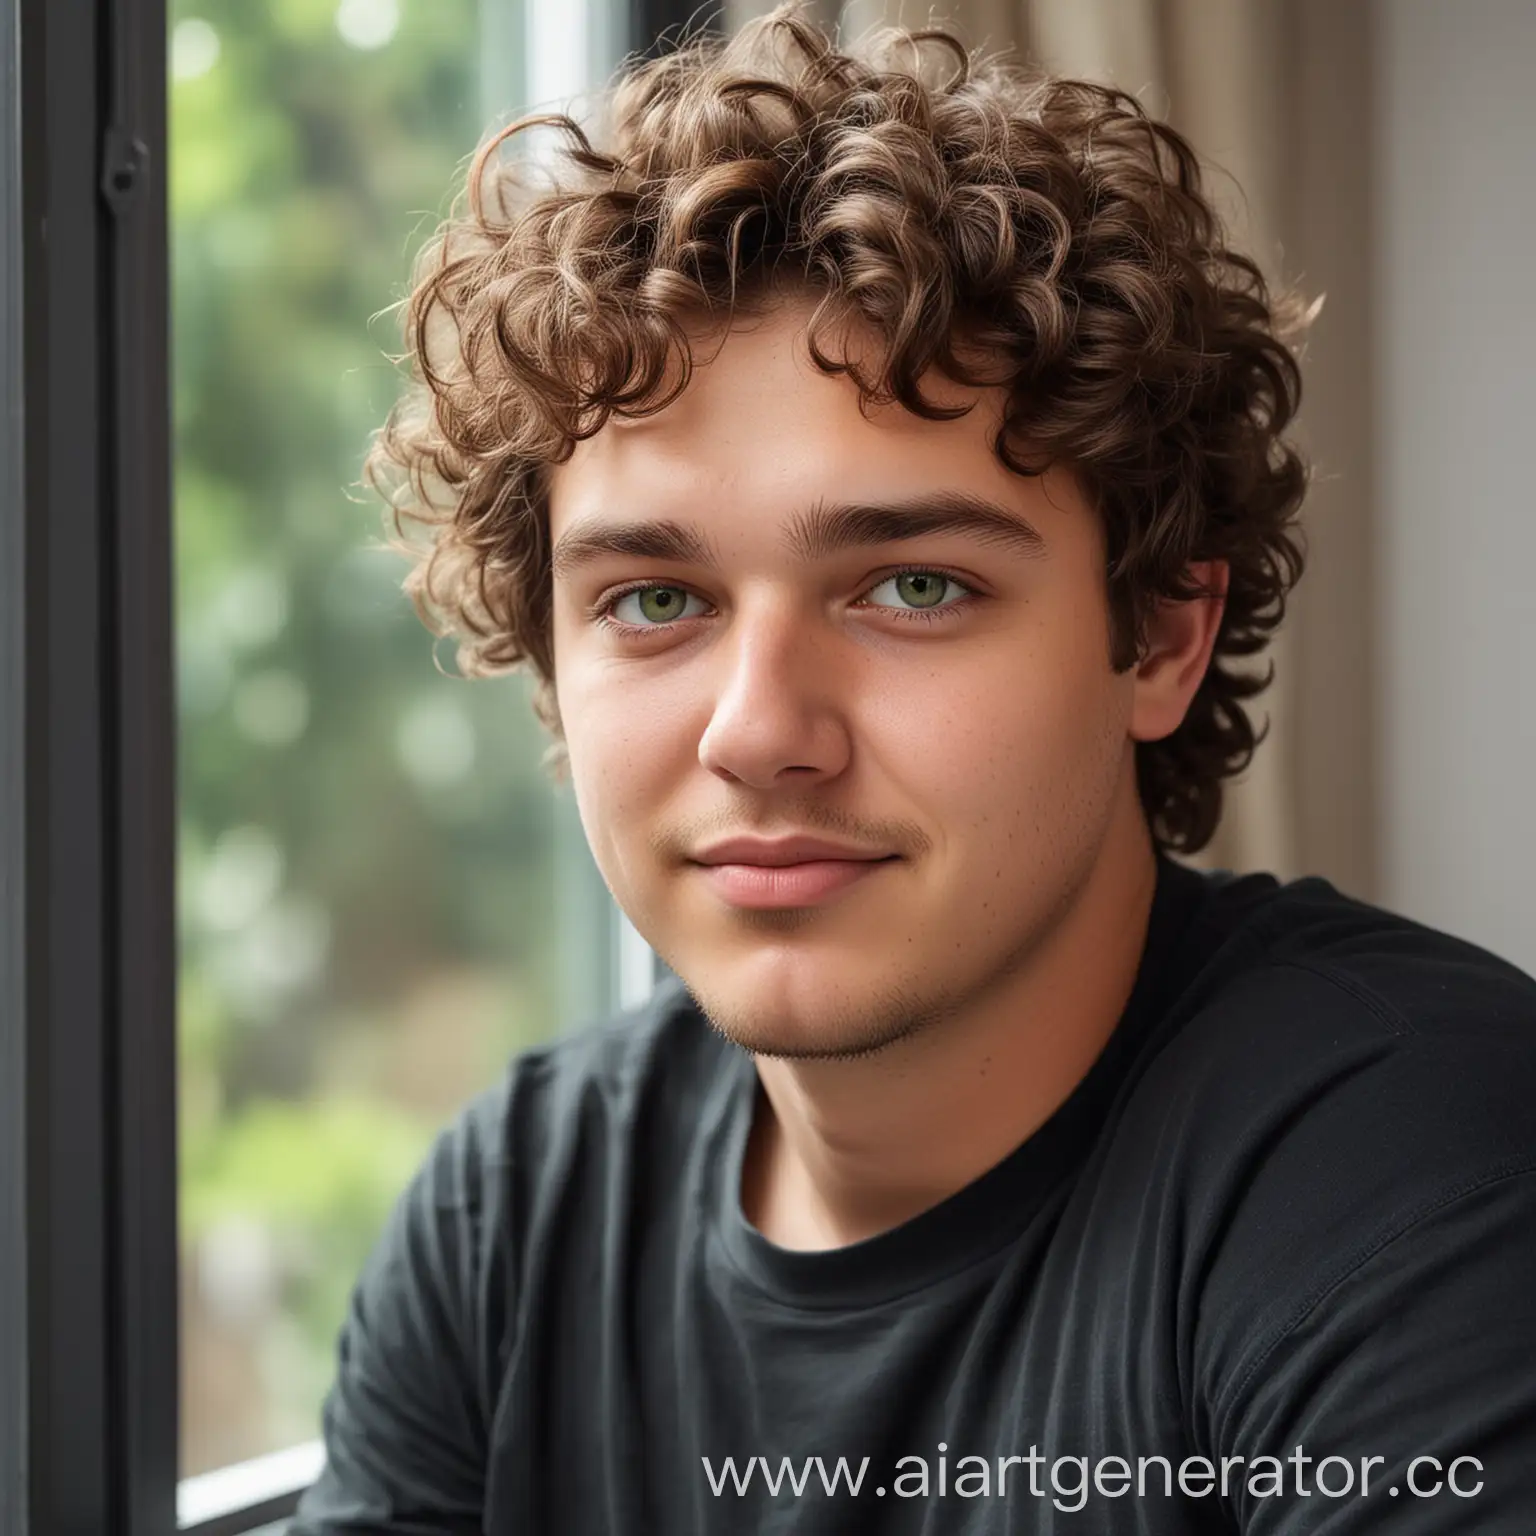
657	604
661	604
921	588
919	591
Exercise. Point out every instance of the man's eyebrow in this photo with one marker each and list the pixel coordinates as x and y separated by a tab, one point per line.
822	530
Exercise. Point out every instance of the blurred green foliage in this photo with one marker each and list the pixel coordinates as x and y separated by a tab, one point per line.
366	844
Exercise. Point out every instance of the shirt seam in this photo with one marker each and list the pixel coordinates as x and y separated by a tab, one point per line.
1510	1168
1368	998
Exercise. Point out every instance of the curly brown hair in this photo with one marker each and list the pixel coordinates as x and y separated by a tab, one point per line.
1007	227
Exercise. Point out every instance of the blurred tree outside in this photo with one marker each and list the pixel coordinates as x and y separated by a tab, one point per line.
366	845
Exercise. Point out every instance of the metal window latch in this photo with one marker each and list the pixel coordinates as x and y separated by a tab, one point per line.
124	165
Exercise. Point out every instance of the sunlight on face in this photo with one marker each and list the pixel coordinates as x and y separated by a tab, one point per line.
944	698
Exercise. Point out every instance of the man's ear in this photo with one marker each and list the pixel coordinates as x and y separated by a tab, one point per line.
1180	637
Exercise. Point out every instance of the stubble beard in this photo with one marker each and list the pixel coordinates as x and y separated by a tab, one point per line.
846	1034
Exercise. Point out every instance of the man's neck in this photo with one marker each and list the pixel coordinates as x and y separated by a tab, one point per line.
843	1150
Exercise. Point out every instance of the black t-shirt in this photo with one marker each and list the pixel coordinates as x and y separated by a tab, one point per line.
1277	1245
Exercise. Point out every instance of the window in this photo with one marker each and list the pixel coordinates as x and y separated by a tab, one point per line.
341	990
276	894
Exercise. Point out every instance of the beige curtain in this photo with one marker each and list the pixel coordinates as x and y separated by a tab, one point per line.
1274	94
1213	71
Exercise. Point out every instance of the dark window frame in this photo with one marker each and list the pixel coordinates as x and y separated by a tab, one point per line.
88	1346
89	1281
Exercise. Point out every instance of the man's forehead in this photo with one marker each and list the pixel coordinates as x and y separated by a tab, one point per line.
776	451
761	425
759	372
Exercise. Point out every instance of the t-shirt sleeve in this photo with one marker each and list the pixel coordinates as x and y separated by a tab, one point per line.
406	1421
1405	1375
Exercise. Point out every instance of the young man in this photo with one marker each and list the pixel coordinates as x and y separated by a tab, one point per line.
882	468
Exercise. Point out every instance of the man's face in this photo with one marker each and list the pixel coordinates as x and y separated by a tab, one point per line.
961	717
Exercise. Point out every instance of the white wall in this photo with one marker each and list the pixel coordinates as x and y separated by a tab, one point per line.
1456	337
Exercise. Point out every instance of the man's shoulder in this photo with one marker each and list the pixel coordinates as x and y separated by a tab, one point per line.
1330	1072
1333	1121
1296	1012
1408	977
652	1065
663	1046
1307	972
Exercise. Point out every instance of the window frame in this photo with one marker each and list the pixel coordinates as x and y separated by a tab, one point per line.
89	1268
89	1224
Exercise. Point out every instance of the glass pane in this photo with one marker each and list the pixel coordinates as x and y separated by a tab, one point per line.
372	866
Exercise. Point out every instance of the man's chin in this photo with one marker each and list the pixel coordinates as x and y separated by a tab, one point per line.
819	1037
806	1046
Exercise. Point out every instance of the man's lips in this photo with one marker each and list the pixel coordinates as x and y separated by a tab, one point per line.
801	884
799	848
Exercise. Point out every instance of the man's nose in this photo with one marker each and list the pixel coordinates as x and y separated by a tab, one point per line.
777	685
